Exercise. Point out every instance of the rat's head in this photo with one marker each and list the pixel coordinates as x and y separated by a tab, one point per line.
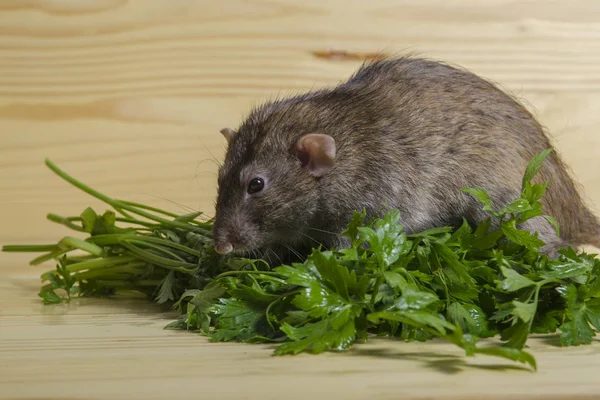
268	186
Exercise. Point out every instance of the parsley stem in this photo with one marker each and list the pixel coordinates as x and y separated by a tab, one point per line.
68	222
31	248
536	295
104	272
119	205
268	310
49	256
125	285
161	261
158	249
112	239
95	263
75	259
122	212
149	208
74	243
114	284
190	218
378	283
80	185
228	273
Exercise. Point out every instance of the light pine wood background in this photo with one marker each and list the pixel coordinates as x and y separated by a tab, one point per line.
129	96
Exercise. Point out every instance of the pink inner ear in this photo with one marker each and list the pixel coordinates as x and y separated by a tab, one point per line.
316	152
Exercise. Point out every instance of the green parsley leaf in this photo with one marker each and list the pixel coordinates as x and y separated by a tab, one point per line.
534	166
236	320
576	329
336	332
50	297
513	281
482	196
469	317
510	354
386	239
521	237
166	289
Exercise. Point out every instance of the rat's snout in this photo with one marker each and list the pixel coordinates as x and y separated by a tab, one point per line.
224	248
227	240
224	243
233	231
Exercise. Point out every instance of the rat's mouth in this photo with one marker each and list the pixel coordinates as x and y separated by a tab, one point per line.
228	248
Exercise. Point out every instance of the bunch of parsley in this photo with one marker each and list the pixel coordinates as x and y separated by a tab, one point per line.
460	285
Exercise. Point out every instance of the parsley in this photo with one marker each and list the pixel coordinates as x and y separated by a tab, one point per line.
460	285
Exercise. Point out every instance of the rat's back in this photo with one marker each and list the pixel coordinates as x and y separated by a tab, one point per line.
412	133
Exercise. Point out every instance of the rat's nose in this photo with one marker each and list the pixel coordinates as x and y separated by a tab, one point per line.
224	248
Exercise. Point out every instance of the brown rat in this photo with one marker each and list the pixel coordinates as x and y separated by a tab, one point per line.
405	133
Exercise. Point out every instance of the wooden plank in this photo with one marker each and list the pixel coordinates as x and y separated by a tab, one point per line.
113	349
129	97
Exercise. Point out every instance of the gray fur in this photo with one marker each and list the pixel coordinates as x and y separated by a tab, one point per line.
409	133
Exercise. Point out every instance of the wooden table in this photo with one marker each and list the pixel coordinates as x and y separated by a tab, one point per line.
129	97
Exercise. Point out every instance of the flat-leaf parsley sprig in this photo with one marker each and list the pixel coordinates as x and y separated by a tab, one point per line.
458	284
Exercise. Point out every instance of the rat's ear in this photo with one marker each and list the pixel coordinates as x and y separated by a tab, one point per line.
316	152
227	133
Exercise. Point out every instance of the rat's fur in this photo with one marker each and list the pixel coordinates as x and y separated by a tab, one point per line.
409	134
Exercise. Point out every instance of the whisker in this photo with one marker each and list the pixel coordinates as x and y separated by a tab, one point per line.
204	160
180	205
195	240
308	236
198	173
275	254
204	218
290	249
201	182
323	231
217	162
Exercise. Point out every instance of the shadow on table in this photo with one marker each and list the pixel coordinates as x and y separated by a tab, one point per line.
554	340
131	304
438	361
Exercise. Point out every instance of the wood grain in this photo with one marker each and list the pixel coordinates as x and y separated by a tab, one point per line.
129	97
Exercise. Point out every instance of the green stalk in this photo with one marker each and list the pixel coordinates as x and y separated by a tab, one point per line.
29	248
67	221
159	249
127	285
119	205
378	283
103	272
71	242
161	261
168	243
112	239
115	284
95	263
50	256
122	212
149	208
229	273
64	221
77	259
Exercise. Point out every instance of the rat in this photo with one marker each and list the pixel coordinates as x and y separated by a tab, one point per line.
404	133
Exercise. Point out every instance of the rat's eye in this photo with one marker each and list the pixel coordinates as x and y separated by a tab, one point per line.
256	185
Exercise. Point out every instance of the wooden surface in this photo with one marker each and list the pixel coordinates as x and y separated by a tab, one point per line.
129	97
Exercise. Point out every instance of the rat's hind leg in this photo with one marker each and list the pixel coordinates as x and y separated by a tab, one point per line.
546	233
